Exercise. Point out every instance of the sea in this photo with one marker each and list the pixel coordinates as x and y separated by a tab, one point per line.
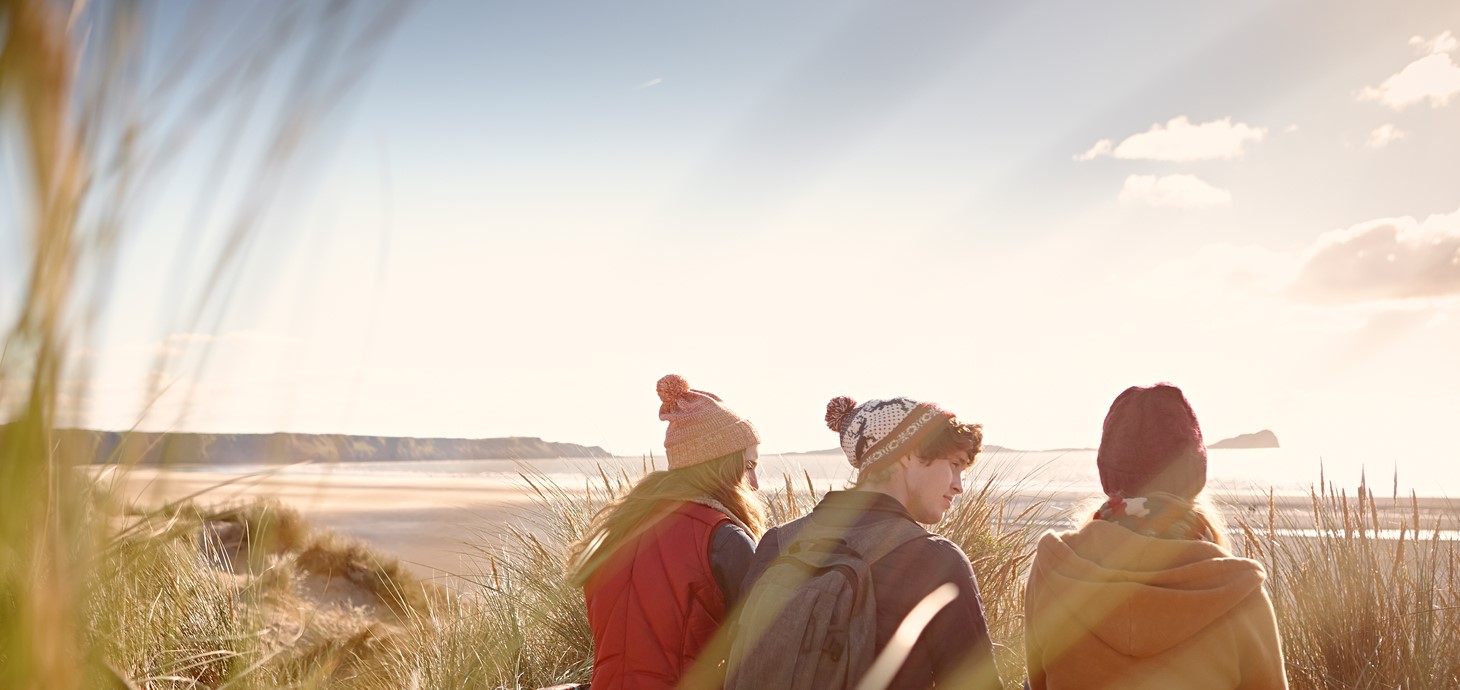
1241	476
1240	472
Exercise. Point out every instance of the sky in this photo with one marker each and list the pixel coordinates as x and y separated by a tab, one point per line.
525	213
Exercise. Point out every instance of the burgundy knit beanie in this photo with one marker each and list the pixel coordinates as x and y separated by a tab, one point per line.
1152	442
701	427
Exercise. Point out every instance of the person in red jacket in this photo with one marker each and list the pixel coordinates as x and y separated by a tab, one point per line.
1145	594
661	566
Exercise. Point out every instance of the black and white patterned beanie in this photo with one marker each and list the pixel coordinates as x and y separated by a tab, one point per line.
878	432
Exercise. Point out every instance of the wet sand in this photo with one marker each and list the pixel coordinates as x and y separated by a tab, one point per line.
1296	512
438	524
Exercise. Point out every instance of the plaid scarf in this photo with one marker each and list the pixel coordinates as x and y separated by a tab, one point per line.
1163	516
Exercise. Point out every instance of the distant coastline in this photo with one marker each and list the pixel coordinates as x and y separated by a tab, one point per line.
188	448
1257	439
174	448
987	448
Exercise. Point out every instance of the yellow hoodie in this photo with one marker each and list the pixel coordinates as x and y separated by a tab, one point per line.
1109	608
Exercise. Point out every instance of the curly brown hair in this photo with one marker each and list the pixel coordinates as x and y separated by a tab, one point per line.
954	439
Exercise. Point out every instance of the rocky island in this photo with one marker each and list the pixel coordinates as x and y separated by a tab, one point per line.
1260	439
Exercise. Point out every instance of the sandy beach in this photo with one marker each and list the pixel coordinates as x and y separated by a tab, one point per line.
436	523
429	522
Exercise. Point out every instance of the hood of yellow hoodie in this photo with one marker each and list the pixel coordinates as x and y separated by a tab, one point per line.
1139	595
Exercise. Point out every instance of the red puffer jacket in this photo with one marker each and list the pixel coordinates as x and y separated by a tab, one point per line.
655	604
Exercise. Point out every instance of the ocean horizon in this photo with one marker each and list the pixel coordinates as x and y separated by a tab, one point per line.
1286	472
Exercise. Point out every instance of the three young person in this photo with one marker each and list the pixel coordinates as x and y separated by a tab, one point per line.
1144	595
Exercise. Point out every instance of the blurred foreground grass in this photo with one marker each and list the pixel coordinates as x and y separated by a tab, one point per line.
91	129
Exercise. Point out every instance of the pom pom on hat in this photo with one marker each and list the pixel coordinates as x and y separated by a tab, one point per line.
671	388
837	410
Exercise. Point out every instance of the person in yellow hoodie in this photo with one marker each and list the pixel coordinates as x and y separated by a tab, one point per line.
1146	594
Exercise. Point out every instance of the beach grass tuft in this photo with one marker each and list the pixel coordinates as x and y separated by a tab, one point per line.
1361	601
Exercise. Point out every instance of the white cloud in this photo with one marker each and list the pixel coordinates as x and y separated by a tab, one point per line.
1187	191
1444	43
1179	140
652	82
1434	77
1383	259
1383	136
1101	148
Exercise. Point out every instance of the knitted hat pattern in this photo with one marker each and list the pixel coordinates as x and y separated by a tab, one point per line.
878	432
701	427
1152	442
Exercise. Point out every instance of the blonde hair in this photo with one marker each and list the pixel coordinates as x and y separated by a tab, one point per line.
721	479
1210	518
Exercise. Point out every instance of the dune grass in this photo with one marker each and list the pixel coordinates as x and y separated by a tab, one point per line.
1357	610
236	596
247	596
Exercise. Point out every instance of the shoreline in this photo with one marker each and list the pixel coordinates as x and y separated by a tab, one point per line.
442	526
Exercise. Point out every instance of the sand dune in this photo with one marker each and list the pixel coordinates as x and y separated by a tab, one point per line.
429	522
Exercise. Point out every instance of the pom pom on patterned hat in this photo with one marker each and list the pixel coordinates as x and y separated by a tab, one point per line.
837	410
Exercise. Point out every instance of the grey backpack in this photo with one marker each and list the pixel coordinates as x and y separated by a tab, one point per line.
810	621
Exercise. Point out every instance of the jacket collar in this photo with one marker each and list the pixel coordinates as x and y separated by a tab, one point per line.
861	506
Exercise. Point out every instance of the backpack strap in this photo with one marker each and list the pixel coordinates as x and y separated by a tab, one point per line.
874	541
